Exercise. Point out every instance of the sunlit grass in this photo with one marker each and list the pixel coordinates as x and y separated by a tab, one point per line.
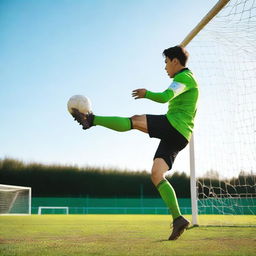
117	235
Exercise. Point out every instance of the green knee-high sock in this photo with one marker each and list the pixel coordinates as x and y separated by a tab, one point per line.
120	124
169	196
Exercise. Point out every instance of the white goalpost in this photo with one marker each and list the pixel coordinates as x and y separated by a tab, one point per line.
15	200
222	150
53	208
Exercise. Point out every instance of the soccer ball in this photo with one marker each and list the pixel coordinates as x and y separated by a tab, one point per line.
80	102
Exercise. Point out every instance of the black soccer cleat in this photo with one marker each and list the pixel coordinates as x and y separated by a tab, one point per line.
86	120
179	225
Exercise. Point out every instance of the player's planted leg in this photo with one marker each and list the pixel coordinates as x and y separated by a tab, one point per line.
178	227
169	197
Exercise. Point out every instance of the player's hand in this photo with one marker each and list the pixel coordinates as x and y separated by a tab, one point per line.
139	93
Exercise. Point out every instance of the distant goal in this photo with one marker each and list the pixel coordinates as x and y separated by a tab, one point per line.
15	200
53	210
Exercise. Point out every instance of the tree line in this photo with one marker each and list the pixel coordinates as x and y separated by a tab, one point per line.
72	181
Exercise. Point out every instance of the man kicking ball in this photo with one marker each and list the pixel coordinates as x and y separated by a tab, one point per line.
174	129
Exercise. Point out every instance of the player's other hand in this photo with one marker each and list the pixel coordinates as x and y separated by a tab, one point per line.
139	93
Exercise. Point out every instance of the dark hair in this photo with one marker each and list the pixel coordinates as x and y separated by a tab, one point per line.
178	52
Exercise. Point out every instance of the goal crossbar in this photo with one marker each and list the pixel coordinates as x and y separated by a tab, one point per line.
205	20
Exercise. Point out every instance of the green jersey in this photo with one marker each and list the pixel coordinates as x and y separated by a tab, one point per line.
182	96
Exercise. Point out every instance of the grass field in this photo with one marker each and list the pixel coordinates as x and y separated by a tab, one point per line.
69	235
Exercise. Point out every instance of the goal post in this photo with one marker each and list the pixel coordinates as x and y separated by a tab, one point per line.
222	148
193	188
15	200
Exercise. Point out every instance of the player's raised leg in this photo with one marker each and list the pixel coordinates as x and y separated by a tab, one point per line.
139	122
120	124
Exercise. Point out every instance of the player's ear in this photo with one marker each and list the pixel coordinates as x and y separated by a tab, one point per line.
176	61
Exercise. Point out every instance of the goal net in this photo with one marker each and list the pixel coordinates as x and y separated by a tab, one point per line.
15	200
223	58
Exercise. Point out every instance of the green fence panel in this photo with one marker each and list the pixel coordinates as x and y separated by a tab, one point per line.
87	205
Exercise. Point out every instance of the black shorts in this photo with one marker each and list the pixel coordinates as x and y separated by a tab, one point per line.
171	140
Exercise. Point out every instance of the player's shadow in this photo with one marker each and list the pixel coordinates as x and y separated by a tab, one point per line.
166	240
161	240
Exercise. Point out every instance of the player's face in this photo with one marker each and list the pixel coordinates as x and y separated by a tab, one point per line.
170	66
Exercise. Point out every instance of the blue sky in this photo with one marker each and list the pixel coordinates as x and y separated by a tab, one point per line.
51	50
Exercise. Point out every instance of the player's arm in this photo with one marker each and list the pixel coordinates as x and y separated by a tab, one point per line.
160	97
172	91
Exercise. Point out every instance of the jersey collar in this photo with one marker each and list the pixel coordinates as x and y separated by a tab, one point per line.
180	71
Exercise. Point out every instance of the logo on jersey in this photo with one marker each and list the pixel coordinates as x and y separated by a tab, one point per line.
177	88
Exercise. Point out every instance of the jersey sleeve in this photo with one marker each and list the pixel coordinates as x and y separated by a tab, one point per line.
160	97
181	83
175	89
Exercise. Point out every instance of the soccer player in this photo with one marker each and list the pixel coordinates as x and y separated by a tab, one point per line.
174	129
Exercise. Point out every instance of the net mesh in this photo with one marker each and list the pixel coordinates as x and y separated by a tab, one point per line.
14	200
223	57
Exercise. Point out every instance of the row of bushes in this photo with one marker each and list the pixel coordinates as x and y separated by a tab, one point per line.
71	181
53	180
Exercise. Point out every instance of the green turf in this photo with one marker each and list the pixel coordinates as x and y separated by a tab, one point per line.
120	235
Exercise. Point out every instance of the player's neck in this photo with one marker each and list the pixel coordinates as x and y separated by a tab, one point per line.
179	70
